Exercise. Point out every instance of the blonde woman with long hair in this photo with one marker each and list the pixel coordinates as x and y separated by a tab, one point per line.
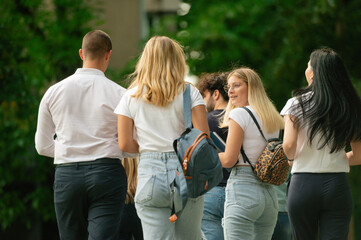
251	206
150	118
130	226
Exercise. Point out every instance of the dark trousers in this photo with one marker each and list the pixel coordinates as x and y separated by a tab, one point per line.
319	205
130	225
89	200
283	229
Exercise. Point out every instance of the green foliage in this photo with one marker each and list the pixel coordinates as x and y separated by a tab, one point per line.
275	37
38	45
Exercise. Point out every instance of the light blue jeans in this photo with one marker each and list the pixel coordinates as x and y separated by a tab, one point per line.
154	199
213	213
251	207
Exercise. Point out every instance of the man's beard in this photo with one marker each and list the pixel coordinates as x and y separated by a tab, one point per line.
210	105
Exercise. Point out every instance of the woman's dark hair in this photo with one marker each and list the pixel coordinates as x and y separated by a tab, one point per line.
332	107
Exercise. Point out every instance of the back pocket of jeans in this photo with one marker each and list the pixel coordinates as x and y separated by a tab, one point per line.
246	195
144	191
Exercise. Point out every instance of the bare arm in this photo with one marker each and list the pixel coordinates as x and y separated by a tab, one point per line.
199	118
126	141
290	138
354	156
233	145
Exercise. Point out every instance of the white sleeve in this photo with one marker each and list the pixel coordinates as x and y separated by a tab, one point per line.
45	130
287	108
240	116
123	105
196	97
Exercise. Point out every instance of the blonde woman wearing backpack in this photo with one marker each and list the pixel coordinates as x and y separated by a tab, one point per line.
153	107
251	206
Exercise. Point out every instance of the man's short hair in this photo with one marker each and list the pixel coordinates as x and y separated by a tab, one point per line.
96	44
213	81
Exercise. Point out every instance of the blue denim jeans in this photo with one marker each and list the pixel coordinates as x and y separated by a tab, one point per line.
213	213
283	227
154	200
251	207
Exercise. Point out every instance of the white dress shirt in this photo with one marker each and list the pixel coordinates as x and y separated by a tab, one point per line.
76	121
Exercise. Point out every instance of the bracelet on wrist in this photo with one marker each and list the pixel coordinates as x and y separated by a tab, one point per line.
290	160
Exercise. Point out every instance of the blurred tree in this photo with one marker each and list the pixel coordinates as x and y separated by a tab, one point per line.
275	37
39	44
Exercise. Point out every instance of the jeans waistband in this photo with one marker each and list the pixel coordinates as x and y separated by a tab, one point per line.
158	155
96	161
241	169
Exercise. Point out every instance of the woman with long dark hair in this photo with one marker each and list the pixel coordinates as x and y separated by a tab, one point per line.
321	120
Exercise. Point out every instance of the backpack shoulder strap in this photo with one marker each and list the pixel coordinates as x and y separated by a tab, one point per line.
255	121
187	107
280	135
244	155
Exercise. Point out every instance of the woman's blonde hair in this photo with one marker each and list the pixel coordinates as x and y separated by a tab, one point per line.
159	73
131	169
257	99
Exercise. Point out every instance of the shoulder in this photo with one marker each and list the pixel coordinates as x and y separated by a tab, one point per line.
113	84
292	102
131	91
193	89
59	86
196	97
238	112
240	116
127	94
215	115
289	104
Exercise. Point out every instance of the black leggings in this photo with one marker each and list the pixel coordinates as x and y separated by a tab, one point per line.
319	205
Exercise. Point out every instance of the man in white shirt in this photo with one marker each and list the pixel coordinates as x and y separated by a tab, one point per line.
77	127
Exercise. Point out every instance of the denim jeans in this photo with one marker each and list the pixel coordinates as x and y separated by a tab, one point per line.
251	206
213	213
154	200
283	227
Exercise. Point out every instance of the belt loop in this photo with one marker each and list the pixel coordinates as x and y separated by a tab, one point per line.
77	165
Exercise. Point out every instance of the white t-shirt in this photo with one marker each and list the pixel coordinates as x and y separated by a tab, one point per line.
156	127
308	158
253	142
79	110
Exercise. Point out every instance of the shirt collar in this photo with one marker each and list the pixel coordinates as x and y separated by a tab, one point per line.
89	71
